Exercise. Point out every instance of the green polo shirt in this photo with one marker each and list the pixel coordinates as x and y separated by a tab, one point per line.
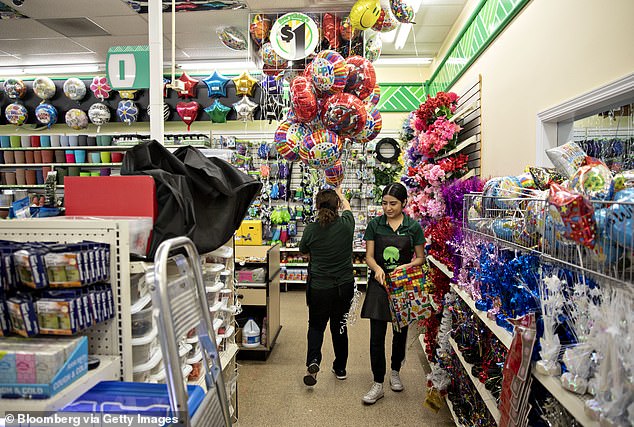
330	250
409	226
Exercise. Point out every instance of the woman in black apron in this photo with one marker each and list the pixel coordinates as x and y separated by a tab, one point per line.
394	241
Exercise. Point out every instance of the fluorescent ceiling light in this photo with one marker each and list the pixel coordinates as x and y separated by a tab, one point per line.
9	72
404	29
217	65
403	61
63	69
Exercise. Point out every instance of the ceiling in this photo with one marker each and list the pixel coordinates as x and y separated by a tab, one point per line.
40	39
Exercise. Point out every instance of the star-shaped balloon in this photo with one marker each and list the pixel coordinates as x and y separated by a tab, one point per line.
271	86
216	84
217	112
245	84
245	108
190	86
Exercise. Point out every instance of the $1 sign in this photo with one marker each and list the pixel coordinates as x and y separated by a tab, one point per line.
294	36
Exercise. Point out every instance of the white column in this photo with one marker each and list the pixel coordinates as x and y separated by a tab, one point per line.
155	24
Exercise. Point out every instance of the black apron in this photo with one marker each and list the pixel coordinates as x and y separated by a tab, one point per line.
390	251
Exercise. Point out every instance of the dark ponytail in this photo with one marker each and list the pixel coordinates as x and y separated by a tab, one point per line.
327	203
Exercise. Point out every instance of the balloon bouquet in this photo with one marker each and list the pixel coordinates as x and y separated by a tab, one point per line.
332	103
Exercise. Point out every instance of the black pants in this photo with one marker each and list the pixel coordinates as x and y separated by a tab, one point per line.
378	330
325	305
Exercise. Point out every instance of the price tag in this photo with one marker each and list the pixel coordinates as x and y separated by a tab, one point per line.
294	36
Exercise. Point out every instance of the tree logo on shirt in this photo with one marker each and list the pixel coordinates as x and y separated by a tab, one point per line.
391	255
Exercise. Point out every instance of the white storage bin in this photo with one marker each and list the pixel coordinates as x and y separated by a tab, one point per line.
138	287
144	346
142	373
141	322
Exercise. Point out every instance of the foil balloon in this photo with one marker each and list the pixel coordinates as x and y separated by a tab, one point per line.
188	112
46	114
232	38
288	149
271	86
361	77
577	215
44	88
127	111
386	21
245	108
189	91
334	174
217	112
99	114
364	14
375	96
14	88
594	179
271	58
621	219
167	112
329	72
101	89
373	46
75	89
245	84
372	127
259	28
402	11
216	84
127	94
331	31
76	119
321	149
16	114
346	30
344	114
303	99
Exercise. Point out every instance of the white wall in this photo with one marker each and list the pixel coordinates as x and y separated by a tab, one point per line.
554	50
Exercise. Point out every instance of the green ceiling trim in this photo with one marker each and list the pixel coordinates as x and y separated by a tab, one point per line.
400	97
487	21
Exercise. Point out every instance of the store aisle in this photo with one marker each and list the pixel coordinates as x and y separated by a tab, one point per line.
272	393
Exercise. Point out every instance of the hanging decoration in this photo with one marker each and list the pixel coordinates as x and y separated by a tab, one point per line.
216	85
188	112
101	89
76	119
245	84
245	108
14	88
364	14
402	11
217	112
44	88
99	114
127	111
74	89
46	114
16	114
232	38
190	84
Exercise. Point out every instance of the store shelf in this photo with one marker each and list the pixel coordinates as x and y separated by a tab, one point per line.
251	285
293	264
452	412
216	288
289	249
421	340
55	164
27	186
258	348
486	395
505	337
433	304
109	369
359	265
215	307
360	282
440	266
229	332
292	281
228	354
67	147
572	402
140	266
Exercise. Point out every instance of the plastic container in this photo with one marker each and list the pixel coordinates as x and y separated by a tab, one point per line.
159	377
142	322
143	347
251	334
183	351
138	287
142	373
196	362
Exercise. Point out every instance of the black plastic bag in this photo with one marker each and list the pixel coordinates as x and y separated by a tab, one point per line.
202	198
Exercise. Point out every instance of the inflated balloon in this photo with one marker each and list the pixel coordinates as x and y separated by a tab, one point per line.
190	86
321	149
245	84
216	84
101	89
402	11
373	46
288	149
271	58
232	37
245	108
375	96
303	99
361	77
621	219
507	191
331	30
46	114
99	114
259	28
14	88
127	94
576	213
166	112
334	174
75	89
372	127
386	22
297	132
217	112
623	180
271	86
594	179
187	111
127	111
346	30
364	14
16	114
44	88
329	72
344	114
76	119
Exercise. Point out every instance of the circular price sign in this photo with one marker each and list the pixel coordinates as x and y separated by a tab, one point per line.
294	36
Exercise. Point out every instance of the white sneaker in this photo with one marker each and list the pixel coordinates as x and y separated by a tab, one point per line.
375	393
395	381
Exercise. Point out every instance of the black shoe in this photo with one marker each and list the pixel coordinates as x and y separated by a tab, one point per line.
340	373
310	379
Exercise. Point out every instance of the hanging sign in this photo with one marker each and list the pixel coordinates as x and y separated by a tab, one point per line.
294	36
128	67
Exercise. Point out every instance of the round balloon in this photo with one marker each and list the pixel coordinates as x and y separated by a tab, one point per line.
344	114
127	111
99	114
321	149
259	28
346	30
373	46
166	112
361	77
46	114
101	89
329	72
288	149
74	89
364	14
44	88
334	174
372	127
14	88
375	96
330	28
271	58
232	37
303	99
386	21
76	119
402	11
16	114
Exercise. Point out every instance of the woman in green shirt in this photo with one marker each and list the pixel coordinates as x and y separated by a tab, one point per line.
393	241
330	286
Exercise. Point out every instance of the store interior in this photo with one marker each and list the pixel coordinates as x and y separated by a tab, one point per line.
159	162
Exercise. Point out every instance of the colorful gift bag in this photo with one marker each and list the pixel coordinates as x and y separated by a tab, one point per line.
408	300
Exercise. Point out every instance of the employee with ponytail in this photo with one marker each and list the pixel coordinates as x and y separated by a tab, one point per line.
330	288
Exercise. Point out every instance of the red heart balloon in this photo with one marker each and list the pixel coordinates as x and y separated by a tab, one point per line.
188	111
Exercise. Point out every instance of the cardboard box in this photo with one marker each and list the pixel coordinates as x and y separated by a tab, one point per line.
249	233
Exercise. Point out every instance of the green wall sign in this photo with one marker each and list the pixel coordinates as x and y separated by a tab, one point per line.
128	67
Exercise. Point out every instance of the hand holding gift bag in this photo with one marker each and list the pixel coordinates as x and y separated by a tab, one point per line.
409	302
